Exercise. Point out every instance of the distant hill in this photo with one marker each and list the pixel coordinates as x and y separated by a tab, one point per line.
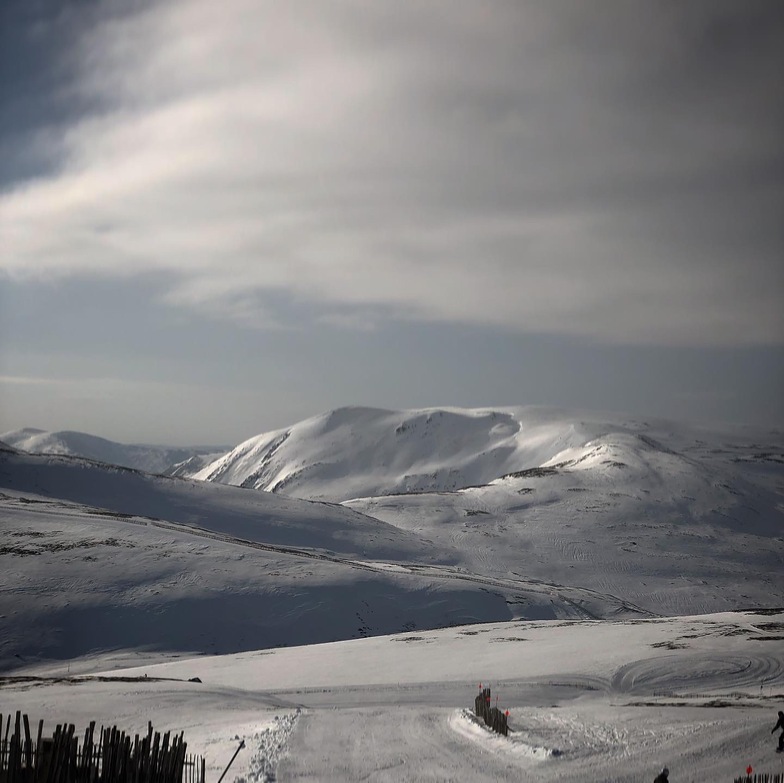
227	511
151	459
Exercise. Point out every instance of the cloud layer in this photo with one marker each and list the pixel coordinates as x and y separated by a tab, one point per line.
536	166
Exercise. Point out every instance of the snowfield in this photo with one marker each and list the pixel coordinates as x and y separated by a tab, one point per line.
617	582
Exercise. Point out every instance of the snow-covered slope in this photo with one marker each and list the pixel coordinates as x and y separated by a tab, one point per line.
192	465
695	530
98	557
153	459
255	516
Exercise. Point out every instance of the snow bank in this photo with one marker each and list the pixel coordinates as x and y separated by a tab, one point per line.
465	723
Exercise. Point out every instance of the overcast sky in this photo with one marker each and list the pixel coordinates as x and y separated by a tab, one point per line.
218	218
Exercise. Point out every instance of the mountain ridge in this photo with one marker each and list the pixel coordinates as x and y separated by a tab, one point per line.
147	457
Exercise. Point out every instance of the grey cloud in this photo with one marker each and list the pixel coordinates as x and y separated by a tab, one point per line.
612	171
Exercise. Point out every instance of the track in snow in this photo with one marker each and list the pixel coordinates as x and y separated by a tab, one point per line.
695	673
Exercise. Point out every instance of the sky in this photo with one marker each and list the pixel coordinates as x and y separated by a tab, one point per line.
217	219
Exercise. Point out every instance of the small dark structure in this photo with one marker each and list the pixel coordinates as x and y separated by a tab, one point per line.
492	716
111	756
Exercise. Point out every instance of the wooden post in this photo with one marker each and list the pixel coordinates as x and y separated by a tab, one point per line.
28	744
37	760
14	752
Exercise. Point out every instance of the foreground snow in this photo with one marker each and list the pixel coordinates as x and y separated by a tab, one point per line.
589	701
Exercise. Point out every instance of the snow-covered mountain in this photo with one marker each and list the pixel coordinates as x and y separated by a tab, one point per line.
192	465
152	459
655	512
362	452
258	517
357	452
673	532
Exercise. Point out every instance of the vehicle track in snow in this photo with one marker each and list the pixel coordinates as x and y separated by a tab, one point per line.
673	674
685	674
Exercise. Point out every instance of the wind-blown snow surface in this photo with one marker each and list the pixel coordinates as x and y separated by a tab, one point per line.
588	701
153	459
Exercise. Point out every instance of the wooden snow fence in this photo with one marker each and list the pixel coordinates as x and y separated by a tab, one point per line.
492	716
776	777
110	756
